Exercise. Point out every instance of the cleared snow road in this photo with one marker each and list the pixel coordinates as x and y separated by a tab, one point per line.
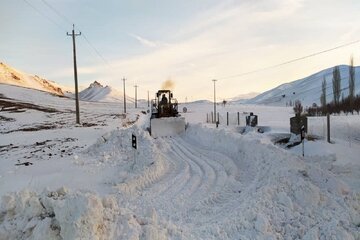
235	187
196	187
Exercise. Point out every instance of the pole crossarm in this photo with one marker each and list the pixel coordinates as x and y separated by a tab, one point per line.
73	32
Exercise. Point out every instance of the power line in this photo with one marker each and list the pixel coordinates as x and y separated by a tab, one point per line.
290	61
96	51
44	15
83	35
56	11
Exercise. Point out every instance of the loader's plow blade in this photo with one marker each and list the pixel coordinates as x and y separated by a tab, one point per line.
164	127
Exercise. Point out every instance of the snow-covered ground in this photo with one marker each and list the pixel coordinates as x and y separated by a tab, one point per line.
87	182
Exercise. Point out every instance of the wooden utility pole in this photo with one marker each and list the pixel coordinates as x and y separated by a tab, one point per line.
136	86
73	34
214	80
148	99
328	127
124	95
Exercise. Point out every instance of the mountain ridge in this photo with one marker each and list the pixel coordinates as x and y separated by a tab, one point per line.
96	92
12	76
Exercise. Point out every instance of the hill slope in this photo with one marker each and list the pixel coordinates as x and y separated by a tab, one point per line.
243	97
307	90
11	76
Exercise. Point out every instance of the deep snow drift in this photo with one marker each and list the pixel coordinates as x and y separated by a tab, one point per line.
208	183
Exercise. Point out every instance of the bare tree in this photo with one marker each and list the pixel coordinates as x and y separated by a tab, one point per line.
298	108
351	84
336	85
323	94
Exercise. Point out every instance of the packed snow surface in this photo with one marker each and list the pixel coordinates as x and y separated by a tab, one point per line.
231	182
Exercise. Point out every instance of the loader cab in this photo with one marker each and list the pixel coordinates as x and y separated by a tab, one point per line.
164	105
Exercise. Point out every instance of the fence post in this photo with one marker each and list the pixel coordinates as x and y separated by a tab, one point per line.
227	118
207	118
238	115
328	127
212	117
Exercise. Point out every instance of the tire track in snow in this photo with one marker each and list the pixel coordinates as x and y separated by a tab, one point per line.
226	194
198	185
210	176
222	189
177	176
208	183
149	177
197	172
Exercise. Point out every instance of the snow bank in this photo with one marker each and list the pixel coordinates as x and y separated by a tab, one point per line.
138	168
57	215
283	197
64	215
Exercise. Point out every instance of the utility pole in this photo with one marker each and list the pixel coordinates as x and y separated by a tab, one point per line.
136	86
148	99
328	127
124	95
73	34
214	80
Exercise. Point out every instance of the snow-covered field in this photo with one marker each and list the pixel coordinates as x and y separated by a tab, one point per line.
87	182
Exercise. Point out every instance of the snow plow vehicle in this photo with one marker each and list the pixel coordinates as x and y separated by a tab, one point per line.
165	119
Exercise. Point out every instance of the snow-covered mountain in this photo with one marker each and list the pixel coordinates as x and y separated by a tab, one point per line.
307	90
96	92
11	76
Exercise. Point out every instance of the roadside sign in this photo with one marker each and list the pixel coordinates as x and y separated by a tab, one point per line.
302	132
133	141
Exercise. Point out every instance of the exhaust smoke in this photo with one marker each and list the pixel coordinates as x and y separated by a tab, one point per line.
168	85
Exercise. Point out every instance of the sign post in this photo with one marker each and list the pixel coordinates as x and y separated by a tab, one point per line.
302	138
134	146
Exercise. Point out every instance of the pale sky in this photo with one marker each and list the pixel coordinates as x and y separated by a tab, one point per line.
189	42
